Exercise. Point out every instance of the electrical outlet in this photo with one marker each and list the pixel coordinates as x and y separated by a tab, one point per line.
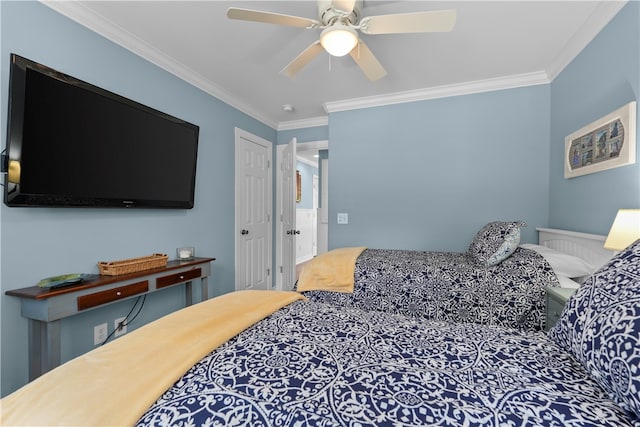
99	333
119	329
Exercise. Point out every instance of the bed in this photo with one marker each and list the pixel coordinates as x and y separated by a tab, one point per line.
496	282
303	362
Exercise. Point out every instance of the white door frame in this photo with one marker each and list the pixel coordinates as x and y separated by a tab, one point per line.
314	218
281	248
239	191
323	212
287	214
319	145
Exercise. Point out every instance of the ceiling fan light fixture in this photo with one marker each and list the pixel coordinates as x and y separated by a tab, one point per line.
339	39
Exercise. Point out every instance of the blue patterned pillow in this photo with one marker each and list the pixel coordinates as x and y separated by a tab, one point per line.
600	327
495	242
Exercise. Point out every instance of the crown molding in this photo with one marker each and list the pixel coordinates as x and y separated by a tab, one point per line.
322	144
304	123
601	16
445	91
97	23
306	161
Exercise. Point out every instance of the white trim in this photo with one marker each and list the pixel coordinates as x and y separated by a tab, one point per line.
278	217
314	145
601	16
488	85
99	24
311	146
304	123
306	161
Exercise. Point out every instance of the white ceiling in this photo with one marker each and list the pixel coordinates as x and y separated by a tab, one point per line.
494	45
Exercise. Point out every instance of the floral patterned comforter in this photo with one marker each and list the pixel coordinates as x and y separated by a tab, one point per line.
449	286
315	364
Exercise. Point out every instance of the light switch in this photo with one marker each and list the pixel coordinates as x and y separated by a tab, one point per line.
343	218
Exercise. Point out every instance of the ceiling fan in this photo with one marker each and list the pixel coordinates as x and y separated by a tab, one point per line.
340	22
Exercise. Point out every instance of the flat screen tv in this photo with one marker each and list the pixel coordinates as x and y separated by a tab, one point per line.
70	143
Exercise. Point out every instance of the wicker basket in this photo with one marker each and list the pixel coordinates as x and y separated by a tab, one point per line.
132	265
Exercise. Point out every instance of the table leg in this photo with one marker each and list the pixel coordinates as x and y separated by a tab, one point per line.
44	347
204	282
188	294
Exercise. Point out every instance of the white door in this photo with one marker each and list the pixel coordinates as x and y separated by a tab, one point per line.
253	211
288	215
314	219
323	211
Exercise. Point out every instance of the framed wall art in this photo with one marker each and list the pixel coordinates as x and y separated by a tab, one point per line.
607	143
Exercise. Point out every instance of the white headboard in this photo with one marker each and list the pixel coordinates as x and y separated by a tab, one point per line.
589	247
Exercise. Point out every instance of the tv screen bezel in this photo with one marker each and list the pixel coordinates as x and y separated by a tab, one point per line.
14	197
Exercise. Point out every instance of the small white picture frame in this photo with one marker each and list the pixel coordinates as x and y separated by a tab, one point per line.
609	142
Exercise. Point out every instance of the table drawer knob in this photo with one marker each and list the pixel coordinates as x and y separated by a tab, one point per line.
178	277
116	294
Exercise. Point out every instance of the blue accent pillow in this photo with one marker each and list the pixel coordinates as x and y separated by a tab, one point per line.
600	327
495	242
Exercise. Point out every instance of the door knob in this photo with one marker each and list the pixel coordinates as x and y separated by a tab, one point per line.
296	231
243	232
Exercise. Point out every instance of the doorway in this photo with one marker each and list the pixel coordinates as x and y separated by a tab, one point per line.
311	223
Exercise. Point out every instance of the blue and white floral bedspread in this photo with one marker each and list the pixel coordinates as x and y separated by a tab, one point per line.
448	286
314	364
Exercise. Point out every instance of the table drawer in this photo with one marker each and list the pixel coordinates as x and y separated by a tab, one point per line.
115	294
172	279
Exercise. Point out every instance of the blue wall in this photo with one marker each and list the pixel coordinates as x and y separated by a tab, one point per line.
604	77
423	175
306	171
37	243
427	175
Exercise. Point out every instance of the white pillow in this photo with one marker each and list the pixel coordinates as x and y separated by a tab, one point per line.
566	282
563	264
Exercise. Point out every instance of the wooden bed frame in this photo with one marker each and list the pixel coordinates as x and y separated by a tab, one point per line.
589	247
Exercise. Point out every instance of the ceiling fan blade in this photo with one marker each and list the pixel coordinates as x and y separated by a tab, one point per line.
367	62
415	22
271	18
345	6
303	59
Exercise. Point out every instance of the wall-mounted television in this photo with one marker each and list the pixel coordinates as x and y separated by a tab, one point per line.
70	143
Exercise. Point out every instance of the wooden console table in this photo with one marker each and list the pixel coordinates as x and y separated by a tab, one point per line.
45	307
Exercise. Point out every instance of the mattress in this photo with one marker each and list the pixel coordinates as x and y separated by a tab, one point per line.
449	286
320	364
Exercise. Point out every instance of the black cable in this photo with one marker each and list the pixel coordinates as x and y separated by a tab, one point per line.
125	322
128	321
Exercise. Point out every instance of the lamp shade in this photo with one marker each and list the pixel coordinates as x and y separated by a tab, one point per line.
339	39
625	229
